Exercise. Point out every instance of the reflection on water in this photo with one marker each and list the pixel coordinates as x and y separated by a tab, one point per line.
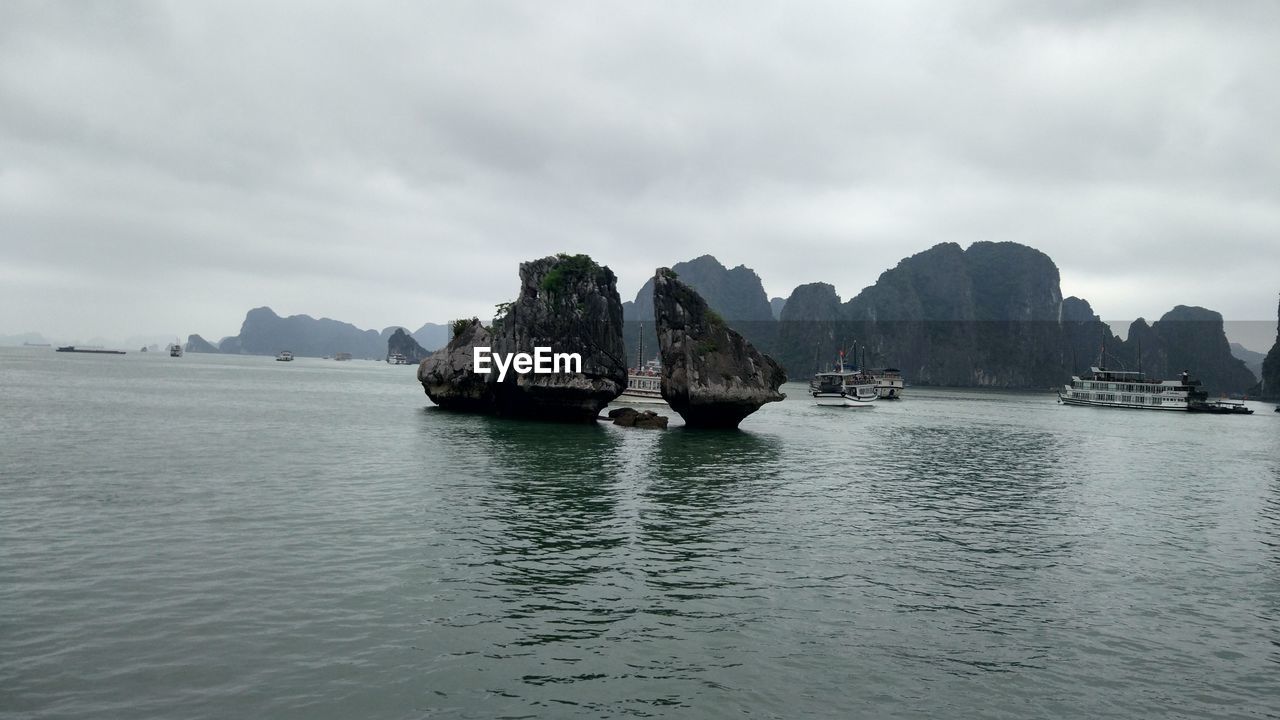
699	498
956	554
554	535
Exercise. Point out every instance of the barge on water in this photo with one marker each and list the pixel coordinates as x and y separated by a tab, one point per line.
96	351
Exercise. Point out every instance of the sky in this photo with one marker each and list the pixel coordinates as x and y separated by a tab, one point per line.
166	166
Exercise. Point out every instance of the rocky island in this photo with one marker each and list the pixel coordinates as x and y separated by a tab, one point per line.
567	303
711	375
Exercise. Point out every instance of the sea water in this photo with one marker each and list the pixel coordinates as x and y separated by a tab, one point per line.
223	536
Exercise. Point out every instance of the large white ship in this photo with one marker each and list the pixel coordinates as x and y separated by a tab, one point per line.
1133	390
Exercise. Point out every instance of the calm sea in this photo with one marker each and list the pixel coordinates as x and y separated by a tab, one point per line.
234	537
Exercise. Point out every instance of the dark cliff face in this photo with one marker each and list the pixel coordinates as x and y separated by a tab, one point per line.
570	304
812	322
401	342
1083	335
711	374
266	333
986	316
1187	339
737	295
1271	367
566	303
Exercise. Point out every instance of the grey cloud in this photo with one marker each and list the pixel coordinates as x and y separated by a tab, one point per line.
391	163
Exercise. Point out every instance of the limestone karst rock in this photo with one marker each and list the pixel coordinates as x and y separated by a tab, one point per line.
401	343
447	375
566	303
711	375
571	305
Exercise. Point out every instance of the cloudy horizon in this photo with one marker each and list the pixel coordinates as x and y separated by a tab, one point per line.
164	167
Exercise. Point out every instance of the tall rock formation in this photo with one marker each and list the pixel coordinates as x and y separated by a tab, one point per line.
1270	385
197	344
402	343
566	303
1190	339
989	316
736	294
711	375
810	329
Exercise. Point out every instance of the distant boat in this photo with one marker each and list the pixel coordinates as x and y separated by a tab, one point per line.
888	383
284	356
397	359
1220	407
843	388
644	381
96	351
342	356
644	385
31	344
143	349
175	350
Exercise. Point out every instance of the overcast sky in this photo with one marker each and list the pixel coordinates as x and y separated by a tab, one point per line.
166	166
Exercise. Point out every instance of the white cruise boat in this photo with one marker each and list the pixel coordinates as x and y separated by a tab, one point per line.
644	381
843	388
889	383
1132	389
644	385
284	356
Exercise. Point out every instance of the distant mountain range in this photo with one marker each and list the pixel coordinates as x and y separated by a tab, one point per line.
263	332
1252	360
990	315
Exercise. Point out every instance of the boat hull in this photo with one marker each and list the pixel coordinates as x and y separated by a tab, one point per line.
628	398
842	400
889	392
1120	405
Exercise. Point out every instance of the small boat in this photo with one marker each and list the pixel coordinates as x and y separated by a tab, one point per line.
889	383
175	350
97	351
284	356
1219	407
843	388
397	359
342	356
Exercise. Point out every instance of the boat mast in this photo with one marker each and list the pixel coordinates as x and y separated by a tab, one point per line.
640	352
